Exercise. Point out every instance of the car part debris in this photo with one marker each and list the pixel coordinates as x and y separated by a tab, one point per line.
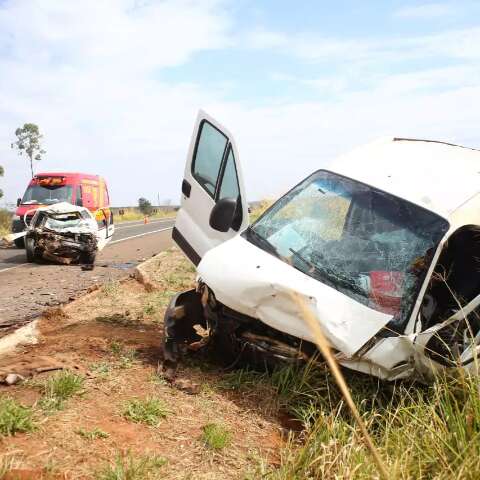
383	248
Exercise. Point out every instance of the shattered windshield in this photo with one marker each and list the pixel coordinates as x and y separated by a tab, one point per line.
367	244
47	195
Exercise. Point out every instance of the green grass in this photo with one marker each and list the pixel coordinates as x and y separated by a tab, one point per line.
92	434
215	436
149	410
59	388
125	357
102	369
130	468
14	417
420	431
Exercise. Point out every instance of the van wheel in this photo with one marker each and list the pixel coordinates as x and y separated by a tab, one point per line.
30	249
19	242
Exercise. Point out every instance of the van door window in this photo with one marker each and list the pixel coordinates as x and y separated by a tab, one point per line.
229	185
208	157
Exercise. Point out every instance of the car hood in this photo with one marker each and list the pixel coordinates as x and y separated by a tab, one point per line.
85	224
255	283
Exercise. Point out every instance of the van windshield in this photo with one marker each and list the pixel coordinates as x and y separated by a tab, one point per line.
47	195
365	243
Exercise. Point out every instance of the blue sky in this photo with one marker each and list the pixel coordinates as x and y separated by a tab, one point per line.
115	85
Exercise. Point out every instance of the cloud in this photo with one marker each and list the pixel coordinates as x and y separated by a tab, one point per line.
91	78
427	11
455	43
88	77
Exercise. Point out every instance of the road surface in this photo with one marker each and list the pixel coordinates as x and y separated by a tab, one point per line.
27	289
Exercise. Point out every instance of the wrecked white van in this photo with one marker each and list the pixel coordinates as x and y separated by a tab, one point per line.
384	247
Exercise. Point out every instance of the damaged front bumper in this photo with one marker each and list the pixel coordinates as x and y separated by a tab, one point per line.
65	248
194	319
62	233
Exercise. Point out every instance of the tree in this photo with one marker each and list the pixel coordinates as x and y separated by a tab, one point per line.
145	206
2	171
29	141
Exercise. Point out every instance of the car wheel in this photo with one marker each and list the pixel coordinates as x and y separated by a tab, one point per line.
19	242
88	260
30	249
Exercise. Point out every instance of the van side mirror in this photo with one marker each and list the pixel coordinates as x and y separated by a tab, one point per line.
221	217
19	201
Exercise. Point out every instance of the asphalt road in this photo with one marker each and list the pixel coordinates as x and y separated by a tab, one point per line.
26	289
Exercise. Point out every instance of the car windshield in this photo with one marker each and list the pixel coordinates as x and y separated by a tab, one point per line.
367	244
47	195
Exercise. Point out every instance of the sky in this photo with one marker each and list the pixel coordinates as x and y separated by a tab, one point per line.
115	85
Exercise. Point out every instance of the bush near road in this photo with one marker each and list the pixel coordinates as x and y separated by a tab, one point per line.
5	222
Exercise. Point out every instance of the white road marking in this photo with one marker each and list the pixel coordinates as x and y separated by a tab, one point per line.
11	268
121	227
139	235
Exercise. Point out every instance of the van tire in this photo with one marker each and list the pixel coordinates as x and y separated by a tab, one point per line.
19	242
30	249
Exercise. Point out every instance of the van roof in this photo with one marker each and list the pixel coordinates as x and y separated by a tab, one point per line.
68	174
438	176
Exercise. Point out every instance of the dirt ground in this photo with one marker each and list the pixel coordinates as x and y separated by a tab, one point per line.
112	338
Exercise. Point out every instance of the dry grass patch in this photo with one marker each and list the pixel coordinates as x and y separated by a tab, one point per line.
119	360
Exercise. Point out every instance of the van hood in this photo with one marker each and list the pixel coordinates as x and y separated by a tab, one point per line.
253	282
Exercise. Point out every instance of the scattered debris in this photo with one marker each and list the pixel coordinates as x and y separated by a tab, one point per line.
13	378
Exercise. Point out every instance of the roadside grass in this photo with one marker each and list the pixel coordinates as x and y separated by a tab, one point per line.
5	222
125	357
259	209
101	369
129	468
215	436
15	418
58	388
111	288
156	302
149	411
134	214
7	464
420	431
91	434
121	319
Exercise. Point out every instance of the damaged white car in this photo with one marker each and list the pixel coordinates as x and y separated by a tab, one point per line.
384	248
64	233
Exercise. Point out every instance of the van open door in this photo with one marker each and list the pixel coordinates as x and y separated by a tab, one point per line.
213	205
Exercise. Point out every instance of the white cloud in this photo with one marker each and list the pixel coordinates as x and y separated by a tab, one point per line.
455	44
89	77
427	11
